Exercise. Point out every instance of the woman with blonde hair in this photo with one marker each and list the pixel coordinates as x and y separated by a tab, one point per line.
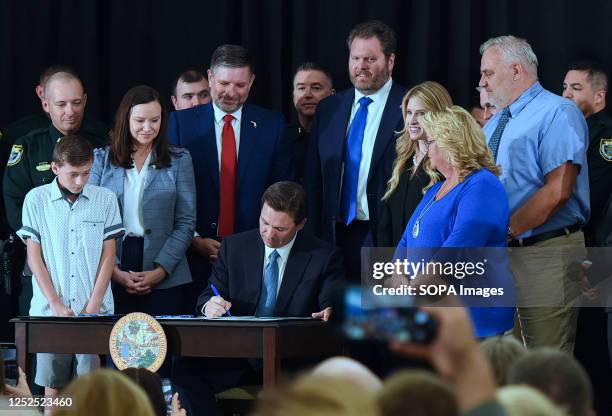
405	187
105	392
465	206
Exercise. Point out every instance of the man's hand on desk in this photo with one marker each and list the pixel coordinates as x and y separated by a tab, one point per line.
59	309
324	315
216	307
207	247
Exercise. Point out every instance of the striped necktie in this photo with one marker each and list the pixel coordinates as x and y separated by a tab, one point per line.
499	130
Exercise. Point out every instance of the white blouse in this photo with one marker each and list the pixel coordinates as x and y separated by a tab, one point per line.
133	189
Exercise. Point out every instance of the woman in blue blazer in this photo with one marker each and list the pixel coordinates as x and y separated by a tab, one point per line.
155	188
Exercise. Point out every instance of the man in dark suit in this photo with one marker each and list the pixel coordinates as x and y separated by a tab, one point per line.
352	146
311	83
238	150
273	271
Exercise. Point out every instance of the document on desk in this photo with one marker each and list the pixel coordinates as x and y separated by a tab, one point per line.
234	318
260	318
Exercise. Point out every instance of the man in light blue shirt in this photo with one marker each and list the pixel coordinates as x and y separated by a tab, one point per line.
540	141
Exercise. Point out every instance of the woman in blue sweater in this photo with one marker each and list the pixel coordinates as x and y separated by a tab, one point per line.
465	206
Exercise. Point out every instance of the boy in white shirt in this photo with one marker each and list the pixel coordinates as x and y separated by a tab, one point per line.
70	229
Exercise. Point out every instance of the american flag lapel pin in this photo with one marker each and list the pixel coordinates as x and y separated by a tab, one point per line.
254	124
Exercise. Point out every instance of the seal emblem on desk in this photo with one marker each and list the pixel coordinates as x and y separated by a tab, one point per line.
138	340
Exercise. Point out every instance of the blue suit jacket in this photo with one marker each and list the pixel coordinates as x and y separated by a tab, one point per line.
264	157
324	162
168	211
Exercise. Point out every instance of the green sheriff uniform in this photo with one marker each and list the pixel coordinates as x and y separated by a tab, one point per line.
599	158
29	164
8	135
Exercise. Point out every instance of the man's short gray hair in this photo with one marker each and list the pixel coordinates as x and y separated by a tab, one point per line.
514	50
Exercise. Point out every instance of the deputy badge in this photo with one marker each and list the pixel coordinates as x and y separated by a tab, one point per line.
16	153
605	149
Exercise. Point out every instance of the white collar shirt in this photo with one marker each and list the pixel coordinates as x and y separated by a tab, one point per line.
133	191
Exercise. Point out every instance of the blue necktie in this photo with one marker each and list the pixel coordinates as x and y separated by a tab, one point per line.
499	130
267	299
352	158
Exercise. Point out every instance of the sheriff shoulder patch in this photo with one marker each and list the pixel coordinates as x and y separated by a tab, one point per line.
15	156
605	149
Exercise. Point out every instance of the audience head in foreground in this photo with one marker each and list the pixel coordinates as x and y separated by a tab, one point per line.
103	393
151	384
527	401
344	367
502	352
417	393
559	376
313	395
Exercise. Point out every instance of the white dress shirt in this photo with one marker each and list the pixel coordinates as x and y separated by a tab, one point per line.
375	113
219	123
133	190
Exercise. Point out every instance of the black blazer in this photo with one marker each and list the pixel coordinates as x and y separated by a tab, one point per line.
313	268
400	206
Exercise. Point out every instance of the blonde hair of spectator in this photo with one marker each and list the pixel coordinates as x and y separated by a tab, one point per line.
312	395
435	98
460	137
417	393
103	393
522	400
352	370
502	352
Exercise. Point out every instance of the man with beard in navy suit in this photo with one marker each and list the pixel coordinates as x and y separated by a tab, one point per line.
352	146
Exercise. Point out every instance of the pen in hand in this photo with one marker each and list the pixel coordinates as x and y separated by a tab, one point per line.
216	292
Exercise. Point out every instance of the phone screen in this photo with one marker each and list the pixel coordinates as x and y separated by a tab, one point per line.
167	390
9	355
382	322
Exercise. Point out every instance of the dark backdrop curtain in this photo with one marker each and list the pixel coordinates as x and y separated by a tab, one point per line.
117	44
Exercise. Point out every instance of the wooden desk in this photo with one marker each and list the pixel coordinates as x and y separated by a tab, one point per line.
271	341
